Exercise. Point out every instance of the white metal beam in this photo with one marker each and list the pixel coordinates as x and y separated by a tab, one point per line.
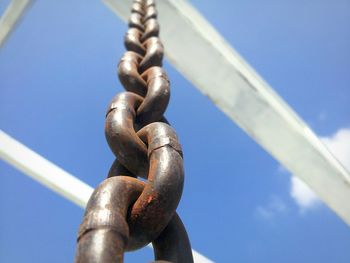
11	16
52	176
201	54
43	171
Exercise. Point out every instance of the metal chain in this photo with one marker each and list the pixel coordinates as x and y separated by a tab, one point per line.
124	213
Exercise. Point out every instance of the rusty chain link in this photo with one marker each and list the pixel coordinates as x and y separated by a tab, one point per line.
124	213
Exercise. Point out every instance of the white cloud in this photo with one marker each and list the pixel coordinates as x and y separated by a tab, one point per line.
339	145
302	194
274	207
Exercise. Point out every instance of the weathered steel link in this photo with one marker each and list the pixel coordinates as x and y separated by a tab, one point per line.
151	28
132	41
121	136
104	223
151	12
129	75
137	8
154	54
118	168
124	213
136	21
172	244
156	205
157	98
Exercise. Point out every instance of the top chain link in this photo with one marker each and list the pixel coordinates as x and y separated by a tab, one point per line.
124	213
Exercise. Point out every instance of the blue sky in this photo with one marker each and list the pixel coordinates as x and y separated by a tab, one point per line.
58	73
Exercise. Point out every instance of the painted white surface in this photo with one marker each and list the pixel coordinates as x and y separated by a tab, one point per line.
52	176
43	171
201	54
11	16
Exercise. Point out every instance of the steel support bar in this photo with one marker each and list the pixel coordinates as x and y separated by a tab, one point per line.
43	171
11	16
52	176
201	54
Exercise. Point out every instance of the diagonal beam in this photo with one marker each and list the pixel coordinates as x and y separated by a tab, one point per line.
52	176
11	16
45	172
247	99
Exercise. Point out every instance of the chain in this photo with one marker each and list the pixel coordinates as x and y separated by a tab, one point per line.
125	213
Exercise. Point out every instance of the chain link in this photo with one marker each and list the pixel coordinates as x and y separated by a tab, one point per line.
125	213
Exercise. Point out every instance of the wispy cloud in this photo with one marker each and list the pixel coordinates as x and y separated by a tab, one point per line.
339	145
302	194
273	208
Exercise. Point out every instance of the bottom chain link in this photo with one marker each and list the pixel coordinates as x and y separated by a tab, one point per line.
104	234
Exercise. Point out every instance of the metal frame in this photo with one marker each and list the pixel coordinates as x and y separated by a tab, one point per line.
13	13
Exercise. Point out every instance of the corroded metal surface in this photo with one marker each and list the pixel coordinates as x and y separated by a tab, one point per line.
124	213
